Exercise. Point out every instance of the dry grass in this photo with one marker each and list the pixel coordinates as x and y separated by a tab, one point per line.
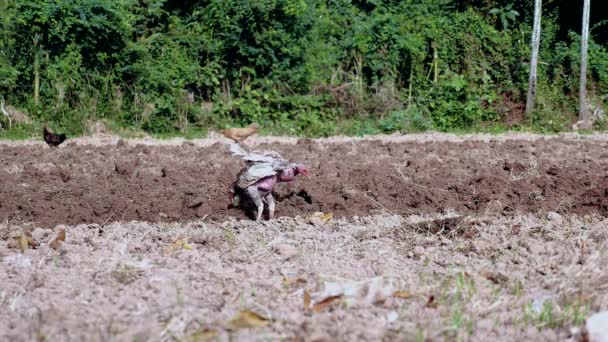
431	137
521	278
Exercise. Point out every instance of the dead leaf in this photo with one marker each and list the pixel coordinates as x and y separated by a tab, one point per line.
327	217
495	277
176	245
470	233
515	229
306	300
320	306
23	243
294	282
403	294
61	235
298	281
319	217
431	303
56	242
248	319
204	335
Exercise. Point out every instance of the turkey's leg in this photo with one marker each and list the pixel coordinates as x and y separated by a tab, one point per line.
270	201
231	196
257	199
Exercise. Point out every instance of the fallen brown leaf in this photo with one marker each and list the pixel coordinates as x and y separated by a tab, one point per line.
319	217
515	229
306	300
248	319
56	242
403	294
297	281
176	245
204	335
431	303
23	243
495	277
470	233
327	217
320	306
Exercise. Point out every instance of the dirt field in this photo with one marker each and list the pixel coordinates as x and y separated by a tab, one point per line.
433	237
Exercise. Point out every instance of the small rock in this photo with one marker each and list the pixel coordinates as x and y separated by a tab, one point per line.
121	143
44	167
539	299
392	316
553	216
195	202
153	172
286	250
319	336
125	167
597	327
495	277
18	261
201	238
418	251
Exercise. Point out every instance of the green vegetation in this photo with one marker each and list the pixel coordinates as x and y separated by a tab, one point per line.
306	67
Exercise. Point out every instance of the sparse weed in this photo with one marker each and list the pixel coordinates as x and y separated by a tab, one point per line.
550	316
230	236
420	334
517	289
465	285
179	298
459	289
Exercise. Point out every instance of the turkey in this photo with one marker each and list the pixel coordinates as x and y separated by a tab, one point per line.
258	178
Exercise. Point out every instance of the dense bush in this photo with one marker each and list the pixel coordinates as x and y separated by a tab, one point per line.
314	67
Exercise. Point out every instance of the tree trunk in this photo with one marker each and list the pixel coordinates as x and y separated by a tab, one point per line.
583	112
36	78
410	85
435	62
534	58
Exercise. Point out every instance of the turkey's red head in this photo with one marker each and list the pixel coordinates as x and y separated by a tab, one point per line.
303	170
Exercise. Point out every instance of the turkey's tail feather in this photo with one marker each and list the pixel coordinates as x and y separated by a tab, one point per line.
237	150
265	156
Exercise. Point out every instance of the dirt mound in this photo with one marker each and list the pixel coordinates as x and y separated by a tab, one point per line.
105	183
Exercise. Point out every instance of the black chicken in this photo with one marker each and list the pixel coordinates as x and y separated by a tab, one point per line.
52	139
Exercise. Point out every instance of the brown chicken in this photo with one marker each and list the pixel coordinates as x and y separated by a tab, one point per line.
240	134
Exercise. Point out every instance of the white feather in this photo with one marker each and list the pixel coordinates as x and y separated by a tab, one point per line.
261	164
237	150
265	156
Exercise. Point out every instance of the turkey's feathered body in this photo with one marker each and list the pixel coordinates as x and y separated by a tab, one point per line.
258	178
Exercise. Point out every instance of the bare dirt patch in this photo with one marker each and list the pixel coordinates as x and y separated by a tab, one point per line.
122	181
433	237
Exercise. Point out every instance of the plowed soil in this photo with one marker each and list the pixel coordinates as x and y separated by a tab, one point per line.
116	180
434	238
